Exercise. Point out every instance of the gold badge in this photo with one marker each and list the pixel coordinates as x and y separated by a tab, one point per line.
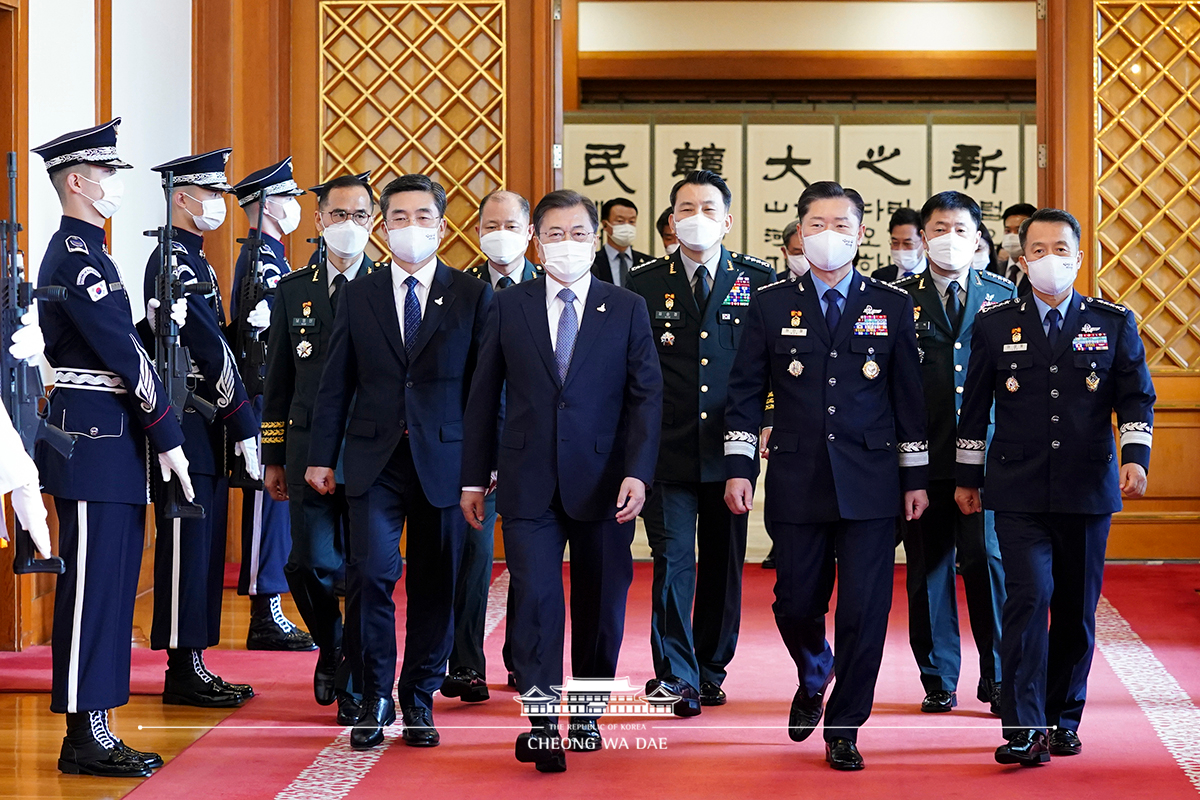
304	349
795	368
1011	384
670	299
668	338
1016	334
916	313
796	318
870	370
1092	381
307	308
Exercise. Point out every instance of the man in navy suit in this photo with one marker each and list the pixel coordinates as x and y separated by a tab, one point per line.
403	349
576	453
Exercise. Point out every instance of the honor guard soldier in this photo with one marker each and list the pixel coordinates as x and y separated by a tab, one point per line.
1056	365
18	473
189	554
109	398
268	197
306	303
697	300
848	453
504	234
946	299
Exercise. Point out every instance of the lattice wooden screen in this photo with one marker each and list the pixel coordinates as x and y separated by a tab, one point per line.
1148	163
417	87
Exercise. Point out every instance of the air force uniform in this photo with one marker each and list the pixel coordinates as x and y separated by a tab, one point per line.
1050	474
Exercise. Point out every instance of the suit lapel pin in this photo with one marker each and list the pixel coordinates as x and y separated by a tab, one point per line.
601	308
307	308
438	300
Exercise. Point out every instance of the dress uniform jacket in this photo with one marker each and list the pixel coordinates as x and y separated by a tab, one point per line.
529	272
604	271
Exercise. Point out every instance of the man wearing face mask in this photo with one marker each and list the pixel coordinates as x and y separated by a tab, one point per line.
1056	365
698	299
189	554
404	346
848	452
614	261
306	302
908	252
1010	245
795	264
109	398
574	458
670	242
266	533
504	234
947	298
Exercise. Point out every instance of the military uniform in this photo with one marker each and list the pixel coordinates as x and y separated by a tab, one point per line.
1050	474
944	536
848	440
189	554
696	350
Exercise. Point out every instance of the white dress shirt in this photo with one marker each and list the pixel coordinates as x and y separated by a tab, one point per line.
555	306
690	267
351	272
943	283
424	277
518	272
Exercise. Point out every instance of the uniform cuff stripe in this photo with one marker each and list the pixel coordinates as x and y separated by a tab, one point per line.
920	459
972	457
1137	437
740	449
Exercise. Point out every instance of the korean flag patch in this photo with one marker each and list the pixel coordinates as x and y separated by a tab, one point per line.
98	291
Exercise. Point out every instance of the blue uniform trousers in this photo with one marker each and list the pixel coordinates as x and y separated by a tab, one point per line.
189	576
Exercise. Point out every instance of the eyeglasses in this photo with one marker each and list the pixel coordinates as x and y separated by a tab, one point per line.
360	217
421	220
558	235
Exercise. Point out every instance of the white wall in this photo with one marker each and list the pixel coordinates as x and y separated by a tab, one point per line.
152	93
827	25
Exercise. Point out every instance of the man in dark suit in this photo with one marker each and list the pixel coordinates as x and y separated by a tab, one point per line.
947	297
302	321
617	257
1010	245
698	298
504	233
848	453
667	236
574	458
908	250
403	349
1056	365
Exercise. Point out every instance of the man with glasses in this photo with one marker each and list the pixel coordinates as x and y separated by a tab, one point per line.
400	359
306	302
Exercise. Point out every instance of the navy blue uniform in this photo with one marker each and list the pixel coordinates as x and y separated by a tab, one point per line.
1051	476
108	396
848	440
944	536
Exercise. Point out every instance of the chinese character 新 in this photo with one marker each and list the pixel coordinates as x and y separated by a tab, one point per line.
969	163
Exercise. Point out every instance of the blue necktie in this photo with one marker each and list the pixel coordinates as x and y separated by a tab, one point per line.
1053	318
568	329
833	314
412	314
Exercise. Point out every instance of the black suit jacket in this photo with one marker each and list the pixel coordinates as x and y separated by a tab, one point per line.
604	271
422	394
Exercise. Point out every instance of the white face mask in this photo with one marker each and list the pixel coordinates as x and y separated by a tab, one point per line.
952	252
291	215
623	235
568	261
504	247
797	264
981	260
111	190
671	248
830	250
699	232
1011	242
1052	274
346	239
414	244
909	260
212	213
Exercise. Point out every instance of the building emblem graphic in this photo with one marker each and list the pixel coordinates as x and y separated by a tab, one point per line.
595	697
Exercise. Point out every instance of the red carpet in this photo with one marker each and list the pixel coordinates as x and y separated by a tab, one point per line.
737	750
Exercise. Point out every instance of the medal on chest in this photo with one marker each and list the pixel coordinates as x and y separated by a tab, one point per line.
1011	384
795	368
669	301
304	349
667	339
1092	382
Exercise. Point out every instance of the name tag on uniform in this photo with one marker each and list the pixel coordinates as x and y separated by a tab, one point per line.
1016	348
666	315
305	322
923	325
793	331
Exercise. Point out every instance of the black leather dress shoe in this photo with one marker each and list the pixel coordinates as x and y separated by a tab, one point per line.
376	715
191	690
151	760
939	701
688	704
467	684
325	675
1063	742
512	681
711	694
242	690
842	754
806	712
769	561
583	735
268	635
542	748
1027	748
349	710
92	759
418	727
989	692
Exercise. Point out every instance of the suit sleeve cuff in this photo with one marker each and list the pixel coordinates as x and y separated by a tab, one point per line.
1135	454
969	476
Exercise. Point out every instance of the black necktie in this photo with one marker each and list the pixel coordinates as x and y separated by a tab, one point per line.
953	305
833	314
339	281
1053	318
622	267
504	282
700	288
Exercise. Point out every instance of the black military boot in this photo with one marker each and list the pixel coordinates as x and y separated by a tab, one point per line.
189	683
89	748
271	630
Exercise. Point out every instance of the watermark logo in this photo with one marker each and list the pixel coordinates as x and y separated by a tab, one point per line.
596	697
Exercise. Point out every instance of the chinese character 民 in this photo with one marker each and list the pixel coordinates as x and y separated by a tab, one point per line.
970	163
602	157
872	163
789	164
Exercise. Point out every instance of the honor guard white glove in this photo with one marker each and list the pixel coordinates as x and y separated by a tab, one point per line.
260	317
178	311
248	450
27	341
31	511
175	461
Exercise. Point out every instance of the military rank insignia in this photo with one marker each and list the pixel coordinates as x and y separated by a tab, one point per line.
1016	337
988	302
304	349
667	339
1092	382
739	295
307	308
1011	384
669	301
795	368
871	323
1090	338
796	315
